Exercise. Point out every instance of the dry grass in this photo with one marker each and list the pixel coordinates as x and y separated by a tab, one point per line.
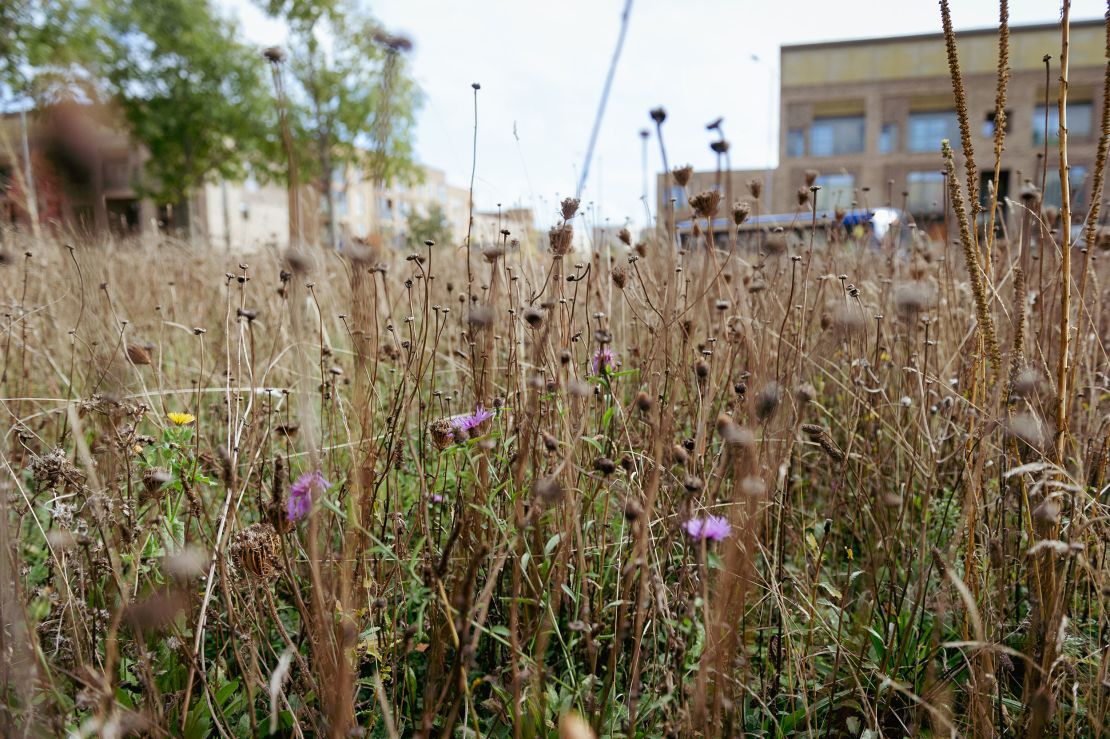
915	546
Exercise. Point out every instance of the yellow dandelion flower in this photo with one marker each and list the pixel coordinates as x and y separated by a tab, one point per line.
181	419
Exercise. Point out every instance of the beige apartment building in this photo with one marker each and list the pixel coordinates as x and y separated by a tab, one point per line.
366	212
869	116
873	113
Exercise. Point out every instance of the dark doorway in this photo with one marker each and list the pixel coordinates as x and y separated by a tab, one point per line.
986	178
123	216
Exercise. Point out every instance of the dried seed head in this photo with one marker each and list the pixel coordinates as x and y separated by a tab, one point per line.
620	276
755	187
683	174
625	236
821	437
658	115
561	240
605	466
550	443
533	317
492	253
767	400
701	369
705	203
643	402
138	354
274	54
442	432
803	196
740	211
692	483
811	177
569	208
254	550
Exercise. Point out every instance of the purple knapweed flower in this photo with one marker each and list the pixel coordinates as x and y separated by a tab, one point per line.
437	498
711	528
467	422
603	361
300	493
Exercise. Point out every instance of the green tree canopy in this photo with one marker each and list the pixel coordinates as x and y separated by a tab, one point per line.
432	226
352	101
192	91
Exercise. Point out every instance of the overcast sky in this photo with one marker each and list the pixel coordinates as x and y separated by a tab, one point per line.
542	66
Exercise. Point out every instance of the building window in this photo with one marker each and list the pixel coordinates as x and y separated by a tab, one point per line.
678	195
927	130
795	142
888	138
834	136
1080	121
1077	178
836	191
988	124
925	191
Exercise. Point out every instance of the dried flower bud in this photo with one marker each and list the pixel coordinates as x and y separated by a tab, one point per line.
705	203
569	208
605	466
740	211
767	400
561	239
683	174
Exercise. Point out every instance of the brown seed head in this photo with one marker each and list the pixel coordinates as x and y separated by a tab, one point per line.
705	203
683	174
740	212
569	208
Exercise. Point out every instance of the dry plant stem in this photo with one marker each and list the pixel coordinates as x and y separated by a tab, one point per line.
962	116
1065	246
999	125
971	260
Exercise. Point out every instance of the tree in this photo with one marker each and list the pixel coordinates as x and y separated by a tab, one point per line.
192	92
351	99
45	50
433	226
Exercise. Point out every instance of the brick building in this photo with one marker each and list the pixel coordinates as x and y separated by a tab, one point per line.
872	113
